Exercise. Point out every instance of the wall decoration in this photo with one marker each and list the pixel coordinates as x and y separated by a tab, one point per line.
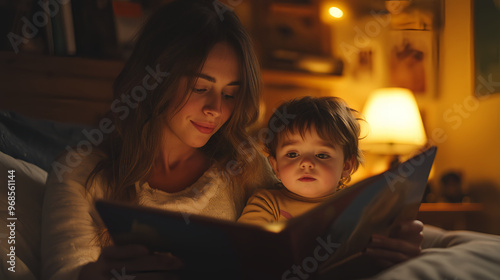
362	66
413	60
293	37
413	44
486	46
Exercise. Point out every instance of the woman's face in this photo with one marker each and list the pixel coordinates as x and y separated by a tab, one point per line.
211	101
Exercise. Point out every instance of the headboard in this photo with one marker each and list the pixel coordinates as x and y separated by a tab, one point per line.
68	89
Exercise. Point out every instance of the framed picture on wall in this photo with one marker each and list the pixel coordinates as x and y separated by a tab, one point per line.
486	46
413	60
413	44
292	37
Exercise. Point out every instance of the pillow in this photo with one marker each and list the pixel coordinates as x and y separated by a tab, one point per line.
29	182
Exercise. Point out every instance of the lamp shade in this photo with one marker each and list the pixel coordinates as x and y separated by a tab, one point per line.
394	125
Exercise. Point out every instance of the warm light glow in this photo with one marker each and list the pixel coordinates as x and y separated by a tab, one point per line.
275	227
395	125
335	12
316	65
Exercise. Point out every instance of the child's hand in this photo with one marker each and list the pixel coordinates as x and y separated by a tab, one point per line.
402	244
128	260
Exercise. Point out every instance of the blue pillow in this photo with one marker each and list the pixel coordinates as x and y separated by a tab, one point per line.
36	141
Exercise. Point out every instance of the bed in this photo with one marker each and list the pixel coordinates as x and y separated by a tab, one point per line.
47	104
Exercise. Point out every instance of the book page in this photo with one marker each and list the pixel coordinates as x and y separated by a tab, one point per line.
395	196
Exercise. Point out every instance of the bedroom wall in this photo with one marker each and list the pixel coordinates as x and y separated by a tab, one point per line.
471	127
465	129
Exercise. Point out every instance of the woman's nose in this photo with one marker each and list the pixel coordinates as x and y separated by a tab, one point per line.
213	105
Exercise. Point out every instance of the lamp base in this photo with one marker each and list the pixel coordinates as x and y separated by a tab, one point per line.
395	160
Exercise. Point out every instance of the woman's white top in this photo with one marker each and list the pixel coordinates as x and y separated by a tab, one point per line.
69	219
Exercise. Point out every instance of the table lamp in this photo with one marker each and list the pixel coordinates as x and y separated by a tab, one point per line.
394	126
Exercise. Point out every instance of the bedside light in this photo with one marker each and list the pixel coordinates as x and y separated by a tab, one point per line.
394	123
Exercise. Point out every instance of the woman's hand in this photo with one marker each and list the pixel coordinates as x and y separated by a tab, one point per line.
124	262
403	243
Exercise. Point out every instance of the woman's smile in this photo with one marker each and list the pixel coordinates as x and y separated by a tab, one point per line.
204	127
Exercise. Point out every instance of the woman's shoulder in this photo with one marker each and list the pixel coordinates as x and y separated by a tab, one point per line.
73	166
264	176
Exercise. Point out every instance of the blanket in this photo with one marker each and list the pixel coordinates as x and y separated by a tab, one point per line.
36	141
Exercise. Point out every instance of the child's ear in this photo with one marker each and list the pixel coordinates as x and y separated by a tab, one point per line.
274	165
348	166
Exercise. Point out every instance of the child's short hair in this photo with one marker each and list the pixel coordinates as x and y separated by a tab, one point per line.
331	117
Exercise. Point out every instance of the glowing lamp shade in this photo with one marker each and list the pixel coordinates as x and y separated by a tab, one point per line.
394	125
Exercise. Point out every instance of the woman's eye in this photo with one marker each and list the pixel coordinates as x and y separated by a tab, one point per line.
200	90
228	96
322	156
292	155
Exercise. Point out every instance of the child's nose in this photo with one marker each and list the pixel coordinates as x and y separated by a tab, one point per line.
307	163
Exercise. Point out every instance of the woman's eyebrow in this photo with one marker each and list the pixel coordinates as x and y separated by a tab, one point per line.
213	80
206	77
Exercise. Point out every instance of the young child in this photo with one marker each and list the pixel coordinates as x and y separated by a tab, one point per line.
313	152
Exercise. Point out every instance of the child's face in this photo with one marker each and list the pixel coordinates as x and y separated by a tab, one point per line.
309	166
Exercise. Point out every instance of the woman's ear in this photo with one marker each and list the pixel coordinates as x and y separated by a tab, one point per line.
274	165
348	166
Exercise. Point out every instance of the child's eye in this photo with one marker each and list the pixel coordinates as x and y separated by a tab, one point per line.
292	155
322	156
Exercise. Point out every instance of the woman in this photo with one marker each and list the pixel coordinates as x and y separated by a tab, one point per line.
182	104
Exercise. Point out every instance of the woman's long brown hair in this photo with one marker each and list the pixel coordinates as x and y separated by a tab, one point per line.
174	43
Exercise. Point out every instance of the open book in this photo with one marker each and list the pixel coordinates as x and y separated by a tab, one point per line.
317	242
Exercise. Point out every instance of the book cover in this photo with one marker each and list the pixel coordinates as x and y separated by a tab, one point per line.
319	241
